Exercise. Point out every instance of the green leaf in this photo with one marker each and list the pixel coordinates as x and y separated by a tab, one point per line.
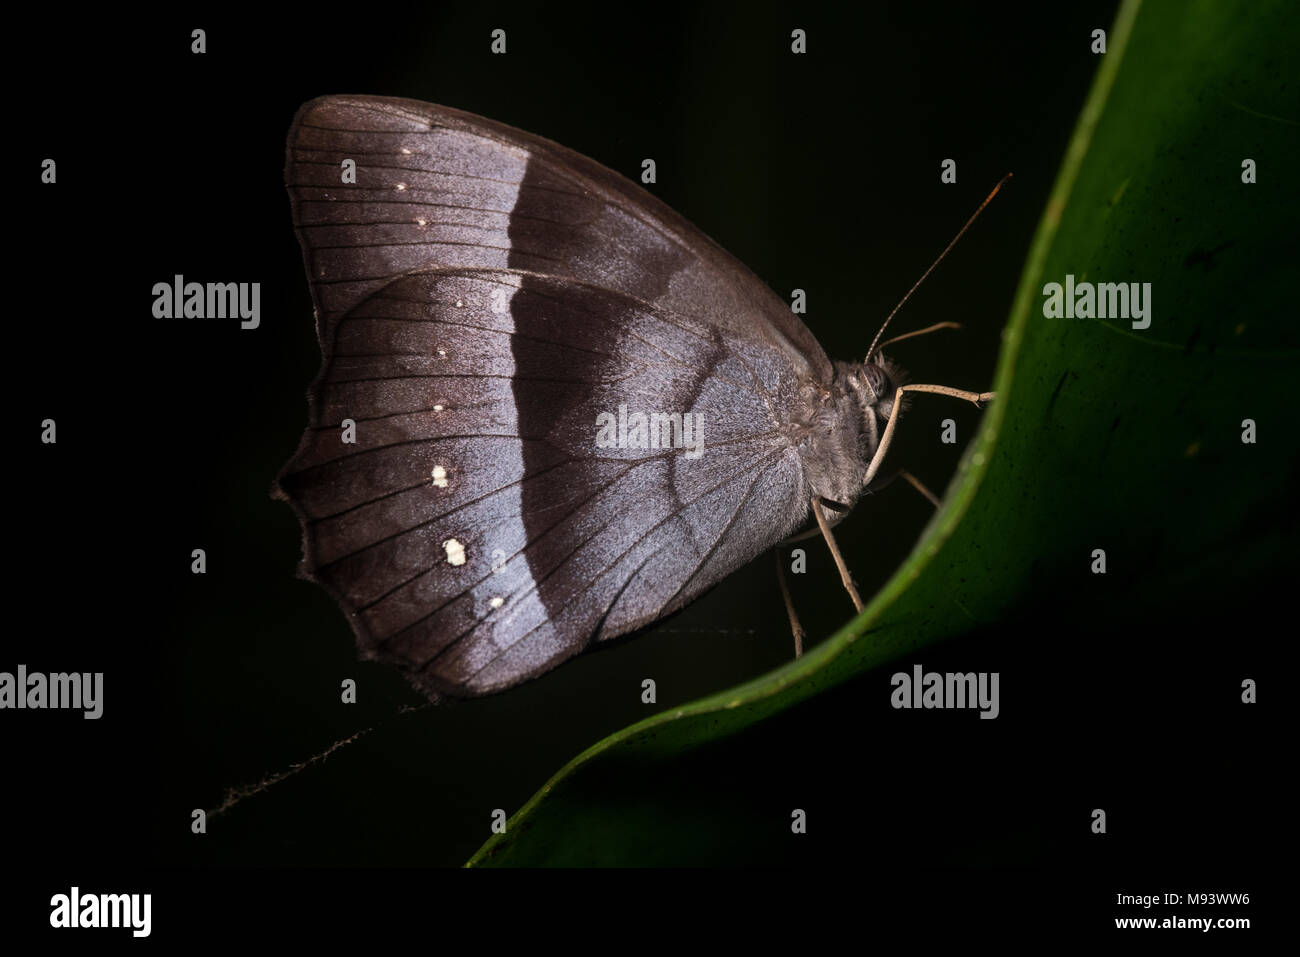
1103	436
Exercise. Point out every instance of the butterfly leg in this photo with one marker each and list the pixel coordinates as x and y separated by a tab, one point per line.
845	577
916	483
913	481
874	467
795	627
920	332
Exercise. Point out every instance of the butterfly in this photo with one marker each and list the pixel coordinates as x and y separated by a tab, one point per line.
550	411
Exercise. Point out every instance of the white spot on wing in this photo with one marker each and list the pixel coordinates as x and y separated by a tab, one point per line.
439	476
455	552
497	601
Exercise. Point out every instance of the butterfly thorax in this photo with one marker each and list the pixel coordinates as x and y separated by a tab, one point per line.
848	419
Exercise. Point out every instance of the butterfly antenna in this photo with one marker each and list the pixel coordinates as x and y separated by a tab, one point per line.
960	233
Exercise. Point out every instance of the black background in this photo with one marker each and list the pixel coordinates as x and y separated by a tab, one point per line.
819	172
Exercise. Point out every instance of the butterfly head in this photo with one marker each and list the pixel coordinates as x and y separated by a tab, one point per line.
874	385
876	382
880	380
857	407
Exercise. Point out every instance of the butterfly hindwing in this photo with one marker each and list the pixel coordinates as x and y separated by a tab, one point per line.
476	324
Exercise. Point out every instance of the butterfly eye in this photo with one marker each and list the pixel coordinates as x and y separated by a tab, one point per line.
876	380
